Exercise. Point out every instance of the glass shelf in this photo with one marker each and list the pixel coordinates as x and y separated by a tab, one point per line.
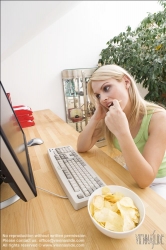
77	104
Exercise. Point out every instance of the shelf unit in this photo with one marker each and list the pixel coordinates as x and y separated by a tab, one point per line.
78	107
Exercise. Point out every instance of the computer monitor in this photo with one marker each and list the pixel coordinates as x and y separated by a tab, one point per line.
15	168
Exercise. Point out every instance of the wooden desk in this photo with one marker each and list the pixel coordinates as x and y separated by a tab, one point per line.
33	222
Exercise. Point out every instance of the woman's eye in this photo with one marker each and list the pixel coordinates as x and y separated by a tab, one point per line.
106	88
98	96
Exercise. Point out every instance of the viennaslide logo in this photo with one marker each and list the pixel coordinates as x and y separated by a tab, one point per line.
150	239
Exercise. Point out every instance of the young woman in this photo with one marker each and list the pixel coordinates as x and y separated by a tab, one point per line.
129	123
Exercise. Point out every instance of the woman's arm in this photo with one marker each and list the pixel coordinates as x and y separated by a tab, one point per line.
89	136
143	167
92	132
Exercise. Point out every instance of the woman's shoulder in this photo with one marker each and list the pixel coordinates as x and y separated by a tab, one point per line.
159	112
155	109
158	119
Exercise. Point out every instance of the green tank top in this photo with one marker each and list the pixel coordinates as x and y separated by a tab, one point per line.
140	141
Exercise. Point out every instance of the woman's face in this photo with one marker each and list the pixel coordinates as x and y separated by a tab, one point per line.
108	90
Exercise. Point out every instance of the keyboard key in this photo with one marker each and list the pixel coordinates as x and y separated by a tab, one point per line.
80	196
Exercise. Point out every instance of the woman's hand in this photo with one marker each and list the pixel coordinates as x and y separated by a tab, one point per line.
116	120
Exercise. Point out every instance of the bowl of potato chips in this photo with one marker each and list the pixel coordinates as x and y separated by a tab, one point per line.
116	211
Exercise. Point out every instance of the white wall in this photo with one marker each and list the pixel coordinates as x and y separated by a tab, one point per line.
33	73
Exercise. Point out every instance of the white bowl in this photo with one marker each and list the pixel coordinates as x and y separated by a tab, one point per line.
126	192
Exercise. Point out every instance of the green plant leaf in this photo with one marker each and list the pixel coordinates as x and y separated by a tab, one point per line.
142	52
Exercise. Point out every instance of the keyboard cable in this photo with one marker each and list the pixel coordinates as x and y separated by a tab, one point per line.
57	195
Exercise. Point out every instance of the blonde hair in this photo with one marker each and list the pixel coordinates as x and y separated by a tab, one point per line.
138	104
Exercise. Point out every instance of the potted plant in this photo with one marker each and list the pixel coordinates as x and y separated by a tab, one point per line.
143	53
